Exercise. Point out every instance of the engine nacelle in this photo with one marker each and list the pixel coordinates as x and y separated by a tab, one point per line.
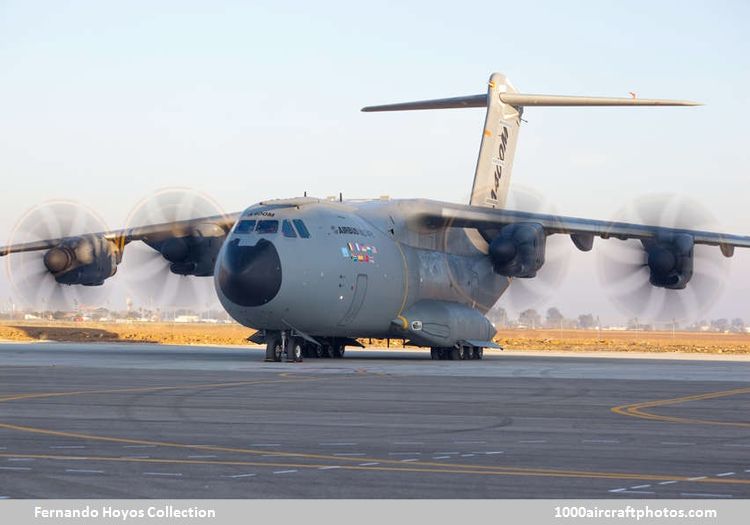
518	250
86	260
670	261
193	254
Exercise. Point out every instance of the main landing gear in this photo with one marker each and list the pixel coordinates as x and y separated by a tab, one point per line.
296	348
456	353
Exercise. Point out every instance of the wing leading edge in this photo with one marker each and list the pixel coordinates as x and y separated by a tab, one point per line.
461	216
151	232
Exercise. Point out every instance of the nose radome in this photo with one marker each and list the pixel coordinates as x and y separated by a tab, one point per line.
250	275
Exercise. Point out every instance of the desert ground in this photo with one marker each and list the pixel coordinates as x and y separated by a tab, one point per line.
511	339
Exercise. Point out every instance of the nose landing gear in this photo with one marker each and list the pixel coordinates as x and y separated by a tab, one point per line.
282	343
296	348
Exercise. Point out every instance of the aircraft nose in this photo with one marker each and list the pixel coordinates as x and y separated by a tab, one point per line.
250	275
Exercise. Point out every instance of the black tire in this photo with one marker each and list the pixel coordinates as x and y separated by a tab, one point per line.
297	350
337	351
478	352
274	350
319	351
457	353
435	353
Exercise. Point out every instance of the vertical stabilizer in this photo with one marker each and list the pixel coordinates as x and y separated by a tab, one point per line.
504	108
498	147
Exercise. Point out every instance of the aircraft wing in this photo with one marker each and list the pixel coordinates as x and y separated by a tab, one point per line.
579	229
148	233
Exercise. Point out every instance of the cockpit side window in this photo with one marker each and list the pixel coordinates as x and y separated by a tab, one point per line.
267	227
301	228
245	227
287	230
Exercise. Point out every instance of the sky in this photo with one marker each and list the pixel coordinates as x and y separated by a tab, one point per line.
107	102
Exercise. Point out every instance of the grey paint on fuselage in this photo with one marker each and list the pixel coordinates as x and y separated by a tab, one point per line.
330	290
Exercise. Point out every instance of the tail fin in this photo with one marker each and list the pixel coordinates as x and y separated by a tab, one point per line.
504	109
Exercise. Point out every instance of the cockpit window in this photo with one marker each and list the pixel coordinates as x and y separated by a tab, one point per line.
267	227
286	228
301	228
245	227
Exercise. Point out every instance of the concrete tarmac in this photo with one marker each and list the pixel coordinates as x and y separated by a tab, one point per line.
147	421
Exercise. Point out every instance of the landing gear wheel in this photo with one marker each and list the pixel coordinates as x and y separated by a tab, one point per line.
274	350
337	351
478	352
319	350
457	354
435	354
294	350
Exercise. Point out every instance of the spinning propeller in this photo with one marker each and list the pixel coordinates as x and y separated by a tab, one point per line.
32	274
149	265
529	293
625	267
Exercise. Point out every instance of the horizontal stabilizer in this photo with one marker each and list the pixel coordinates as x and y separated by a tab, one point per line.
525	100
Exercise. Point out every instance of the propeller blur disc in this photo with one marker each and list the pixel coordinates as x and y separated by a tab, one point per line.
146	272
624	273
32	284
534	292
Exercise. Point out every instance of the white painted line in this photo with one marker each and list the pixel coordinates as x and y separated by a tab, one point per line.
15	468
3	448
368	464
697	478
748	470
409	460
162	474
266	445
408	442
328	468
292	471
737	445
337	444
704	494
637	492
242	476
467	455
667	482
4	497
441	457
495	452
201	456
84	471
404	453
723	474
20	459
676	443
447	453
67	446
139	446
640	487
600	441
618	490
348	454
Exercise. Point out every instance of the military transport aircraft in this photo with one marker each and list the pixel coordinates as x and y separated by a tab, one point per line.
312	275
